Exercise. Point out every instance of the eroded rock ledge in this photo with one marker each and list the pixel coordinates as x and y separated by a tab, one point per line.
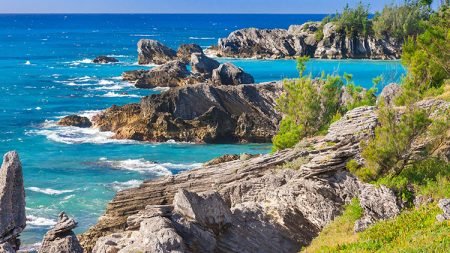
301	40
198	113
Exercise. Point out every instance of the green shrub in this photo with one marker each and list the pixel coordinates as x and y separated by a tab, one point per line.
354	21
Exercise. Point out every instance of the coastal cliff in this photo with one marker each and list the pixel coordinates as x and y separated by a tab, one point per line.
198	113
310	39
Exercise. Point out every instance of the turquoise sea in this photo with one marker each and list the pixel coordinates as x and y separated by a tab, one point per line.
46	73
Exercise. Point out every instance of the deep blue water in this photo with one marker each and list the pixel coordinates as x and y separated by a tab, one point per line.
46	74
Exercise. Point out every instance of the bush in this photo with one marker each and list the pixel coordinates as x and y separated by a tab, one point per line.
354	21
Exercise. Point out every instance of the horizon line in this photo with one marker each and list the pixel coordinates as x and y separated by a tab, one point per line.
159	13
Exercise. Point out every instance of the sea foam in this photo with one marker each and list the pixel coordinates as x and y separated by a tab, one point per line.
49	191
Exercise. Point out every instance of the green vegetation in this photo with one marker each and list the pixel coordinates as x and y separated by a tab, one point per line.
427	58
415	230
400	21
311	105
354	21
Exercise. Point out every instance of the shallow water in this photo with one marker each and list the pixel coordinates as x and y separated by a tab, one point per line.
46	74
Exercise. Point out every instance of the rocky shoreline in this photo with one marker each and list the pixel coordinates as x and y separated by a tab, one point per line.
309	39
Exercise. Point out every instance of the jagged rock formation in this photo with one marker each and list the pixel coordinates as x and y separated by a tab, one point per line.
278	202
198	113
153	52
303	39
61	238
12	203
229	158
75	120
171	74
389	93
202	64
444	204
229	74
185	51
378	204
174	73
104	59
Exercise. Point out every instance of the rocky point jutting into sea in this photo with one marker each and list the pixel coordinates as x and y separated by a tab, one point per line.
272	203
303	40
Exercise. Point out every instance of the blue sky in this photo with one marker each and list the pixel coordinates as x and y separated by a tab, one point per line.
182	6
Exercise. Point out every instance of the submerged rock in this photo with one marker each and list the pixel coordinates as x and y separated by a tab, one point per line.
12	202
229	74
105	59
153	52
61	238
75	120
186	50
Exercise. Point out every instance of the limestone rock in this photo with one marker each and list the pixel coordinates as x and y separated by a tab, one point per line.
229	74
186	50
198	113
61	238
444	204
155	235
301	40
12	201
170	74
153	52
75	120
389	93
104	59
379	203
222	159
202	64
207	209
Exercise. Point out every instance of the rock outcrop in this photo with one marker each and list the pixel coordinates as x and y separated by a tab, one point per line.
444	205
186	50
198	113
153	52
61	238
75	120
104	59
171	74
378	204
310	39
202	64
12	203
389	93
229	74
276	204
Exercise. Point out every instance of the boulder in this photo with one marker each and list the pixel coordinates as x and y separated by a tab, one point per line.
61	238
75	120
389	93
202	64
12	202
104	59
170	74
378	203
198	113
186	50
229	74
207	209
444	205
153	52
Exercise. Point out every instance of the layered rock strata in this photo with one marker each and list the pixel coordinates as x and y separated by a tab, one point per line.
310	39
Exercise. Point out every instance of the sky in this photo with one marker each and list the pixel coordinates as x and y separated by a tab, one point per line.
183	6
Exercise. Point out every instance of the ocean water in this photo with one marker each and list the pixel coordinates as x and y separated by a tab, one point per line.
46	73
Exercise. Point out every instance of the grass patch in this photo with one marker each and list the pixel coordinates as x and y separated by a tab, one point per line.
340	231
